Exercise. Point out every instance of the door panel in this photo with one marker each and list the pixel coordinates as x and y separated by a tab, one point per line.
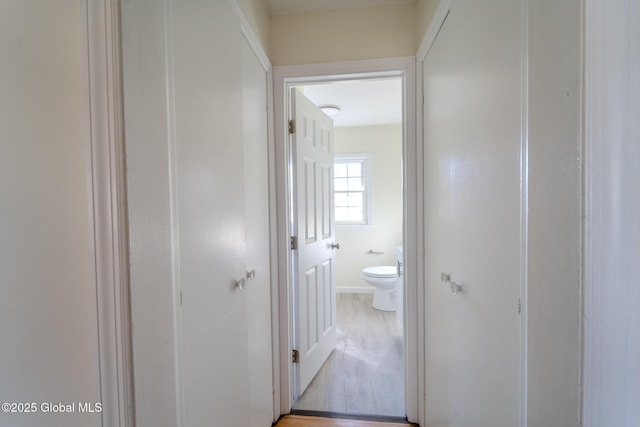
314	291
197	169
327	208
210	211
310	200
472	214
256	196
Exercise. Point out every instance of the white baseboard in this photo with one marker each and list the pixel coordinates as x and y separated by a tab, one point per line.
355	290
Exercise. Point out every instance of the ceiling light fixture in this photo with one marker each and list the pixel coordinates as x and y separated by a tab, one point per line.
330	109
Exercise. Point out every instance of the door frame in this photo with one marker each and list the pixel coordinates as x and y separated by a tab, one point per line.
103	50
284	78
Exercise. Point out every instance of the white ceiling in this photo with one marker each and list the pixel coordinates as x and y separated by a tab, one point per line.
279	7
363	102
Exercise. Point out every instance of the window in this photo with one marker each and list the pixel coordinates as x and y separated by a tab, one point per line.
351	188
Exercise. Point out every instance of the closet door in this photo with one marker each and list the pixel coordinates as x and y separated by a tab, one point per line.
472	229
197	163
256	196
210	211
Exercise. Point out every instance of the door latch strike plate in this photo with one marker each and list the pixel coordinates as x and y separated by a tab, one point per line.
292	126
295	356
294	242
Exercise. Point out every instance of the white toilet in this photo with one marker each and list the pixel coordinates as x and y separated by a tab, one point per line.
383	279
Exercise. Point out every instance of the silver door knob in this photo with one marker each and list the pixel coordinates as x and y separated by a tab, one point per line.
455	288
251	275
240	284
335	246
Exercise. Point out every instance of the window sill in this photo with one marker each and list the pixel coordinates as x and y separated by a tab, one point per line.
354	226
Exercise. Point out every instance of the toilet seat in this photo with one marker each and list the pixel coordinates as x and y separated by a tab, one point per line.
380	271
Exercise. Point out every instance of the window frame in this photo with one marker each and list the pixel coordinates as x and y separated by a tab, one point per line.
365	160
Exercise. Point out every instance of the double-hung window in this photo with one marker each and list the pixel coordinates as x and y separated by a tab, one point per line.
351	189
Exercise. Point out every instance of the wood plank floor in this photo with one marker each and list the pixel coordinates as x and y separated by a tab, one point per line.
364	374
304	421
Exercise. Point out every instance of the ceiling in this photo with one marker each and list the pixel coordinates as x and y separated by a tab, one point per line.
280	7
363	102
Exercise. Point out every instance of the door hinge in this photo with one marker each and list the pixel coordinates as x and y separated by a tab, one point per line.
294	242
519	306
295	356
423	99
180	297
292	126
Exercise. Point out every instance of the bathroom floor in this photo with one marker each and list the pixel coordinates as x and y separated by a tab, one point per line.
364	374
302	421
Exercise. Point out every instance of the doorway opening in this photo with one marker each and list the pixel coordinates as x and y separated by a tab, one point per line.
363	374
354	295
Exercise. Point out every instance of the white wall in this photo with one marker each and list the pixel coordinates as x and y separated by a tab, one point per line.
257	15
384	143
343	35
48	311
425	10
346	35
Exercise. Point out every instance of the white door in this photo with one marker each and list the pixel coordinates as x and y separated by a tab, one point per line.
196	146
472	219
256	211
314	261
210	212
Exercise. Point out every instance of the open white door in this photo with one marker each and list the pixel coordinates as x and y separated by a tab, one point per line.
314	230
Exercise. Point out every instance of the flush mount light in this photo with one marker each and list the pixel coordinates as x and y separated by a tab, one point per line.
330	109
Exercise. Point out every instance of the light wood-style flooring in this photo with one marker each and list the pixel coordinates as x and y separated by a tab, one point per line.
364	374
304	421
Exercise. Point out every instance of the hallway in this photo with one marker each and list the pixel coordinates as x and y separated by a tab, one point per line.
147	221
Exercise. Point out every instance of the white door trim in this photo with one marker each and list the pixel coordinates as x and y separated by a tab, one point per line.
284	78
110	211
439	16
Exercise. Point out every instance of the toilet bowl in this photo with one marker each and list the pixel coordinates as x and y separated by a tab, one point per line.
383	279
